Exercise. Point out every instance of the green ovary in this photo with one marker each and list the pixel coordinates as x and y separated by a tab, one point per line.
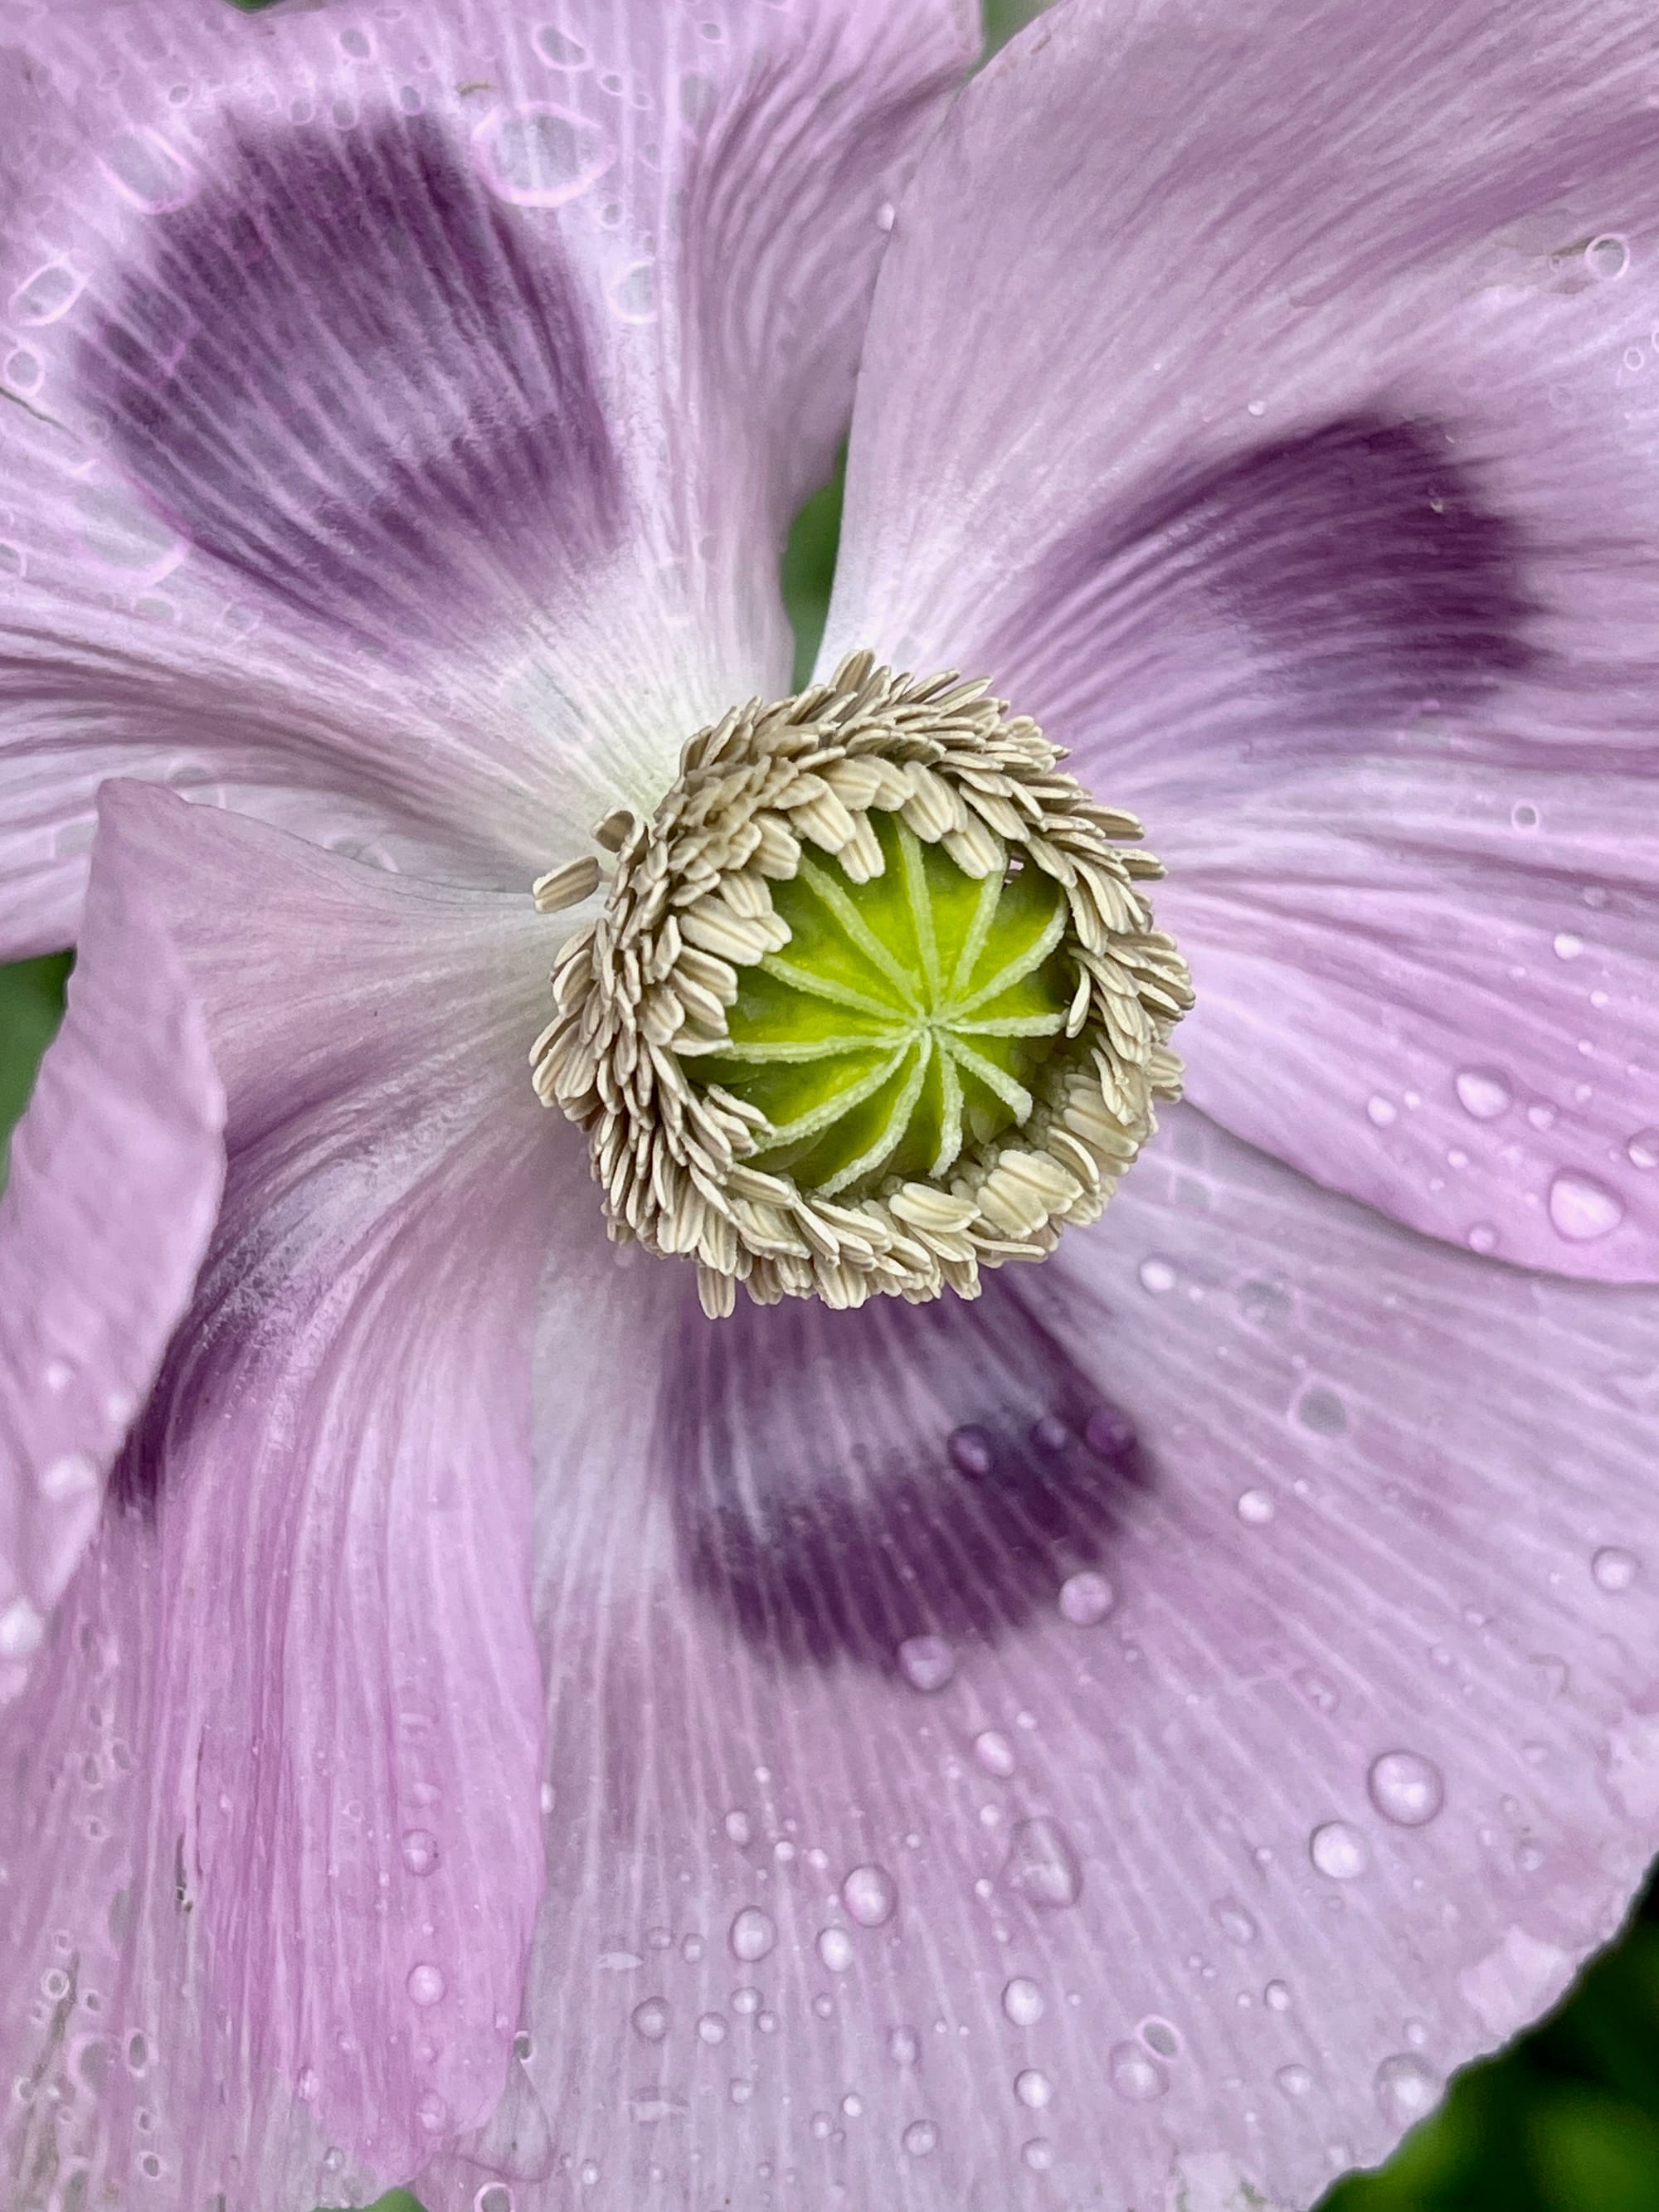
906	1019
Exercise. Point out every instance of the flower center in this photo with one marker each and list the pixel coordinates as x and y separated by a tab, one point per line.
906	1017
876	999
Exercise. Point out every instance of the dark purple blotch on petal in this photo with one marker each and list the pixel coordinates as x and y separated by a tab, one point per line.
848	1481
1372	572
344	372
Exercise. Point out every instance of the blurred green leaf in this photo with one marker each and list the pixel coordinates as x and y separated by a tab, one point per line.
809	567
31	1007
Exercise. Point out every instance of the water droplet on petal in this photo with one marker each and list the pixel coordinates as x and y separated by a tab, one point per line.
928	1662
870	1895
1482	1094
920	2137
21	1630
1606	258
1156	1276
1407	2086
1582	1210
994	1753
1134	2075
1085	1598
1322	1412
650	2020
1381	1111
972	1450
542	155
1255	1508
903	2046
432	2112
1234	1922
1108	1432
1614	1570
1644	1149
1034	2090
1157	2035
836	1950
420	1849
753	1934
425	1983
1483	1238
52	291
1294	2080
1339	1850
559	50
1038	2155
1567	946
1023	2001
1276	1997
711	2028
1041	1866
494	2196
74	1475
1406	1788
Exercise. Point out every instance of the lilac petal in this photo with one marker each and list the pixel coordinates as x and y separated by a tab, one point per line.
1322	506
1327	1755
1466	1032
311	1631
447	381
115	1175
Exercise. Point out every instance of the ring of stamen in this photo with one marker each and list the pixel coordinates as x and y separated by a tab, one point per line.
875	1001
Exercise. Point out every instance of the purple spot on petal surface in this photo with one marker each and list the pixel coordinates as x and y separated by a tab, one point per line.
1372	572
342	372
856	1485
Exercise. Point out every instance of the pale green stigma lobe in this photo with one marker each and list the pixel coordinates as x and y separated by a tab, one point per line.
906	1017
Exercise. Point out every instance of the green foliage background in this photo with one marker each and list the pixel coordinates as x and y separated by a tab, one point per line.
1568	2119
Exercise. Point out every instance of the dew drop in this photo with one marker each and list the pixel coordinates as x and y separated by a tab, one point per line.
420	1849
633	294
1406	2087
542	155
651	2019
1134	2075
870	1895
753	1934
1483	1238
74	1475
926	1663
1294	2080
1483	1095
1406	1788
903	2046
711	2028
1033	2089
494	2196
1643	1150
994	1753
1339	1850
21	1630
1566	946
559	50
1050	1434
971	1450
1038	2155
920	2137
1023	2001
1042	1865
1276	1997
52	291
1156	1276
425	1983
1108	1432
307	2086
1582	1210
1254	1508
432	2112
1606	258
1382	1112
1157	2035
835	1948
1234	1922
1322	1412
1614	1570
1085	1598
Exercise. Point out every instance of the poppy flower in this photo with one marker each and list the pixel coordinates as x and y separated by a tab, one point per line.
885	1677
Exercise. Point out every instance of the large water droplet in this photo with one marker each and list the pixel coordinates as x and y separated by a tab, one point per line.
1042	1865
1407	2086
419	1847
1085	1598
494	2196
836	1950
753	1934
1606	256
1033	2089
1339	1850
425	1983
870	1895
52	291
1380	1111
1482	1094
1644	1149
542	155
994	1753
149	171
1134	2075
1321	1411
21	1630
651	2019
1156	1276
1614	1570
432	2112
1254	1508
1582	1210
926	1663
1568	946
920	2137
711	2028
559	50
74	1475
1294	2080
1406	1788
1023	2001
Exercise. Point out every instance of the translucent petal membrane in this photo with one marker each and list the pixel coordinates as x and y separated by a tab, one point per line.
906	1017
